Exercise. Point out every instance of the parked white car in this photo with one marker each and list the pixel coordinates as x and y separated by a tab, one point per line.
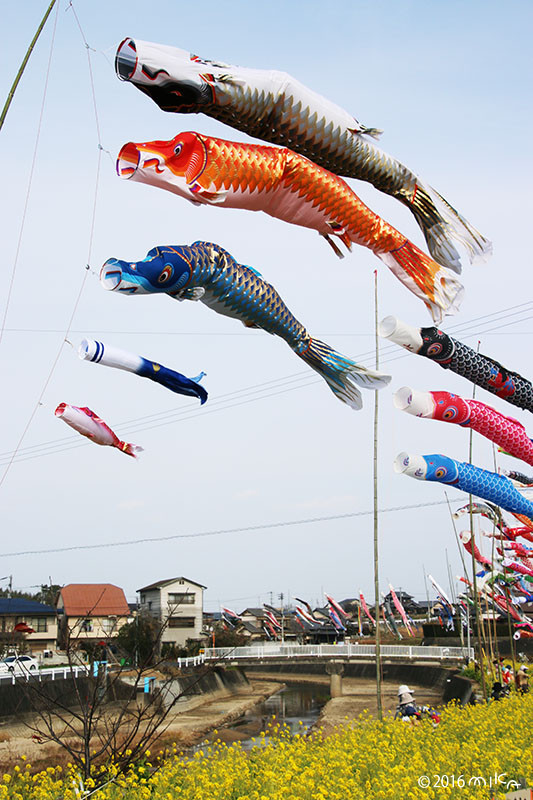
18	665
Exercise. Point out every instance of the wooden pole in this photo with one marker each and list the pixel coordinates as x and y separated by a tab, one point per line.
474	577
23	65
376	549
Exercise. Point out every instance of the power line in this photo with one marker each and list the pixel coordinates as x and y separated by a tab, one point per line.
219	532
261	390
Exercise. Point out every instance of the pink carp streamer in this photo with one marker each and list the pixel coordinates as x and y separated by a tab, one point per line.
505	431
366	609
401	610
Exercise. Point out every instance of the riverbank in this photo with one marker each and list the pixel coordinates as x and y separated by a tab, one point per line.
196	718
200	716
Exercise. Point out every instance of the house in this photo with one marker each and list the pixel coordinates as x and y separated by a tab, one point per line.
26	623
177	603
90	612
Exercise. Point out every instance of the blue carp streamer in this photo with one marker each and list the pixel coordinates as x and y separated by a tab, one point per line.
204	271
489	486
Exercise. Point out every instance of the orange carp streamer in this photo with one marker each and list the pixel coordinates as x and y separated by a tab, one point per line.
285	185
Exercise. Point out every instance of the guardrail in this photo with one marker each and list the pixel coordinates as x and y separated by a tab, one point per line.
191	661
290	651
51	674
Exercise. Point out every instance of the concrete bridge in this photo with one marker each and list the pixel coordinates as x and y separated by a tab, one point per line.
270	652
436	668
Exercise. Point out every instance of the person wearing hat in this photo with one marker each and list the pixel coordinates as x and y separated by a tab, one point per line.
522	680
498	691
406	702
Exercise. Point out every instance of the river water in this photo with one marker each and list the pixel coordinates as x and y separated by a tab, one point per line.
292	705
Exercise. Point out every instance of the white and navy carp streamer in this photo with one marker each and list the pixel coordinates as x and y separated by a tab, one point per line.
100	353
452	354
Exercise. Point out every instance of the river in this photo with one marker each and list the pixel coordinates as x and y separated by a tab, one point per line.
292	705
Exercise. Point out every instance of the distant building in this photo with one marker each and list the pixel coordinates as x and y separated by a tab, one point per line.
90	612
177	603
27	624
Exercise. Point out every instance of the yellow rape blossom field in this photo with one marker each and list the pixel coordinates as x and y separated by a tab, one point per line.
474	753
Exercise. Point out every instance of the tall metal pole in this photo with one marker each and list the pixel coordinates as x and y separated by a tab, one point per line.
23	65
376	550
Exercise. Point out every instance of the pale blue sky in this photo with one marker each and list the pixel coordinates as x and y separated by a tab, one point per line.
450	85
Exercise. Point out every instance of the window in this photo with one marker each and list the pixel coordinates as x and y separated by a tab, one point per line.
87	626
143	598
181	622
109	624
181	598
40	625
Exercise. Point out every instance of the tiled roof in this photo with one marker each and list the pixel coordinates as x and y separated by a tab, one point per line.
21	606
161	584
94	600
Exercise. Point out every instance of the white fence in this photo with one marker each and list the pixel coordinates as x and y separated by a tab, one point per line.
291	651
191	661
52	674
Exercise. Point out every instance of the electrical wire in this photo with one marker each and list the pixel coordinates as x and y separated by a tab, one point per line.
263	390
220	532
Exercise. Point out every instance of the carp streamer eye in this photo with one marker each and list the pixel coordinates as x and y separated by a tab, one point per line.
177	149
450	413
441	472
166	274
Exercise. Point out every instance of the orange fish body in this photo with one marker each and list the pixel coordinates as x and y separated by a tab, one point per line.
285	185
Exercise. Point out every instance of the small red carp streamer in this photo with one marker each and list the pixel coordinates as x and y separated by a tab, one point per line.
90	425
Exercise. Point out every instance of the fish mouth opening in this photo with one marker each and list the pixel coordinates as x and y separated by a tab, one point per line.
128	160
60	410
403	398
412	465
111	275
126	60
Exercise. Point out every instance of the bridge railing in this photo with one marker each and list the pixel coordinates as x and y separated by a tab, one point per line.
292	651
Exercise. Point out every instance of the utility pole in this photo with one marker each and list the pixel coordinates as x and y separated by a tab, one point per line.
376	551
282	618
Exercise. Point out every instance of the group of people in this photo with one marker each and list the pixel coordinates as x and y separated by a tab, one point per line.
501	689
409	711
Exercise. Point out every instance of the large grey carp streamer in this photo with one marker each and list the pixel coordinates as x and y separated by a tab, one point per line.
459	358
276	108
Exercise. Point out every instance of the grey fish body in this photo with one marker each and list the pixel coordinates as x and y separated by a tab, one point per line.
276	108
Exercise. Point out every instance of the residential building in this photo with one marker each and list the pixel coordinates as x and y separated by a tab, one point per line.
27	625
177	603
90	612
